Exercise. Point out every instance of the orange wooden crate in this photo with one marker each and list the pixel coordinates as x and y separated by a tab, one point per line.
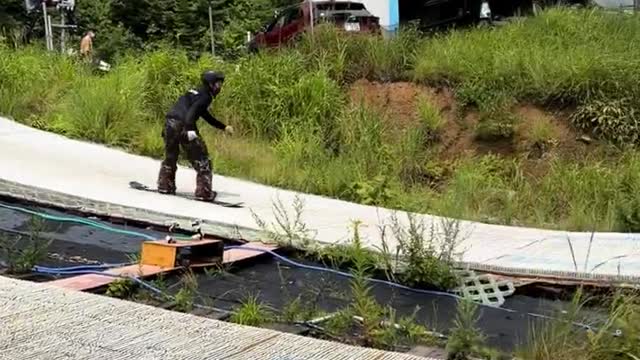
168	255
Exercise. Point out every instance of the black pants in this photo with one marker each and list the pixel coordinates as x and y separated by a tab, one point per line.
175	137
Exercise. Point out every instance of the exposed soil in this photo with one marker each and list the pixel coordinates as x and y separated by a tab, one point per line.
398	102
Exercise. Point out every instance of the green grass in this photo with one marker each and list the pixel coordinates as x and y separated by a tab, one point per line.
252	313
465	338
121	288
563	55
431	120
541	134
23	252
614	338
297	128
185	297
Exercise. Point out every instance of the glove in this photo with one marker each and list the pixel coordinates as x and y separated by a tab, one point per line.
229	129
191	135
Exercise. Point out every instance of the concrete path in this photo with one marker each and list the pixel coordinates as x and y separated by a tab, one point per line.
99	174
39	321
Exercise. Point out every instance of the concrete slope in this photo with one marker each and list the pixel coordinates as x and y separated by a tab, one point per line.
48	161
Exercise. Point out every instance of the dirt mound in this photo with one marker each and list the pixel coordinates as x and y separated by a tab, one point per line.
538	133
399	103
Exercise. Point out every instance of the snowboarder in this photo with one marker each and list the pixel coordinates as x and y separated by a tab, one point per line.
181	130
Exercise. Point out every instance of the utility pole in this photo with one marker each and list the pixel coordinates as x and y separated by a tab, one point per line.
50	32
47	28
63	31
213	45
311	15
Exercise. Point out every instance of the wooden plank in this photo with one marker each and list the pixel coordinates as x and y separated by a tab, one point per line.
92	281
186	243
83	282
234	255
138	270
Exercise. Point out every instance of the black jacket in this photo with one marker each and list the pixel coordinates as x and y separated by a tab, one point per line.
193	105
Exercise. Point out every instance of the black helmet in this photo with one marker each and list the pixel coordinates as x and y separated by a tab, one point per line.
210	77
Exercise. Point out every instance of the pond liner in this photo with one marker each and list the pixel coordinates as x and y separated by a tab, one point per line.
277	285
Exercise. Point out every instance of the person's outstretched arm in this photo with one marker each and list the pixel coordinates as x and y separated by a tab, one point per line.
213	121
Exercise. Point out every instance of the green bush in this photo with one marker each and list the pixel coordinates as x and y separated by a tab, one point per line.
496	124
627	208
428	252
614	120
32	81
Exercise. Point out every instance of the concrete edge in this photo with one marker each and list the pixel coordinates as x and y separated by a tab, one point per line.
56	199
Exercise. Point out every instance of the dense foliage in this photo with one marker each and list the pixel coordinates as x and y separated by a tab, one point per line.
134	24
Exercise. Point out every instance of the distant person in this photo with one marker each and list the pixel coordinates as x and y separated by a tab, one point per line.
86	45
180	130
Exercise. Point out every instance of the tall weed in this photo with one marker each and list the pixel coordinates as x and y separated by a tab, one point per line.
33	81
108	110
563	55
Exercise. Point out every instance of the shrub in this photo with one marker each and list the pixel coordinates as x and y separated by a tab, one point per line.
22	253
106	110
33	81
429	256
627	209
496	125
614	120
354	56
121	288
541	134
465	339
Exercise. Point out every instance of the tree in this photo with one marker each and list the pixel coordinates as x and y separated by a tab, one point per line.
134	24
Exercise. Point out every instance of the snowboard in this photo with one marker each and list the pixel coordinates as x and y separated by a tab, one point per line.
139	186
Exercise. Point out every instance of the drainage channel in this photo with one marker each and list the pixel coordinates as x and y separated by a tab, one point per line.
289	295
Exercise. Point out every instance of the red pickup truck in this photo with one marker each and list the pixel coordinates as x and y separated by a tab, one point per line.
290	22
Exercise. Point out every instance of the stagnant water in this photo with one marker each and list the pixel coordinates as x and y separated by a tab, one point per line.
276	284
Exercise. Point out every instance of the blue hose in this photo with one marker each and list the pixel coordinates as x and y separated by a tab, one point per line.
82	267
